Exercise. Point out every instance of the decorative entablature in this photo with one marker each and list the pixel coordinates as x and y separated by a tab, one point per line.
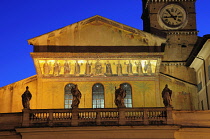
103	65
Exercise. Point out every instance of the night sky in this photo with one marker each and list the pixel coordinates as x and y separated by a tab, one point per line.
21	20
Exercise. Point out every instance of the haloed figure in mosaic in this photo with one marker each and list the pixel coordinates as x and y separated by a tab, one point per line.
118	68
46	68
108	68
67	68
139	68
129	68
88	68
56	68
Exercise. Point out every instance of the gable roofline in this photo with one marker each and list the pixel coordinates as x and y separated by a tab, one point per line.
197	48
104	20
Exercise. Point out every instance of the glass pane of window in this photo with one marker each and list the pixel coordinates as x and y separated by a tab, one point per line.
128	98
98	95
68	96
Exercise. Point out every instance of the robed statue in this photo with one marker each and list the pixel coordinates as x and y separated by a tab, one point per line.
76	96
120	94
26	97
166	95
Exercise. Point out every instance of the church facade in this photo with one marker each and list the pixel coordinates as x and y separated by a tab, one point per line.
98	55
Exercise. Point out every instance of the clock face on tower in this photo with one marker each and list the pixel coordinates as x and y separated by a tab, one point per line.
172	17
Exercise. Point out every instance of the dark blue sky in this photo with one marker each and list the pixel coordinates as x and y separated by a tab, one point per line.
21	20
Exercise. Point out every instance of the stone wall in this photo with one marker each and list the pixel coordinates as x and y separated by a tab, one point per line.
10	95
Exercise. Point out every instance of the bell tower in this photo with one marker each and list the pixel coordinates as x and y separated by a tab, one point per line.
174	20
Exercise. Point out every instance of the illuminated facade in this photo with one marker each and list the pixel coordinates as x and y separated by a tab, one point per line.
98	54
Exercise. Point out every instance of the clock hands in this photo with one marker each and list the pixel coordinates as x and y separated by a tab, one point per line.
172	16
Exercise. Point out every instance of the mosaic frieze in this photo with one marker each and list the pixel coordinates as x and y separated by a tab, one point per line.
97	67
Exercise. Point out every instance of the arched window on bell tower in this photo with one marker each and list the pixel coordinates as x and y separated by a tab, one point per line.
128	98
98	95
68	96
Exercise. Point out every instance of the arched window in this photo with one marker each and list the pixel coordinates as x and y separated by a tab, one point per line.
68	96
128	98
98	95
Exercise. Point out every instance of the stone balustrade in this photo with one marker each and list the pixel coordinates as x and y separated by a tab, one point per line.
95	117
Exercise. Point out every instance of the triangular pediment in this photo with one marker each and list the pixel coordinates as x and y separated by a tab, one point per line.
97	31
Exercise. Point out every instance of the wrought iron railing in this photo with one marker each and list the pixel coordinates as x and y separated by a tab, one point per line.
89	117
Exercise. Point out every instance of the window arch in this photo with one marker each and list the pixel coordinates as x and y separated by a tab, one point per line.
68	96
98	96
128	98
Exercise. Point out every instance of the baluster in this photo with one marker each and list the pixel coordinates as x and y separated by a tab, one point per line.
41	117
59	116
37	116
111	115
103	115
64	116
55	116
44	116
80	115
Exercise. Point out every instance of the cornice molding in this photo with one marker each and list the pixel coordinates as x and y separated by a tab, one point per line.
169	63
181	32
171	0
96	55
158	1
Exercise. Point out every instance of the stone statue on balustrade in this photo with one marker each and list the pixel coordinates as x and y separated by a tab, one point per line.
166	95
26	97
67	68
76	96
108	69
129	68
120	95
